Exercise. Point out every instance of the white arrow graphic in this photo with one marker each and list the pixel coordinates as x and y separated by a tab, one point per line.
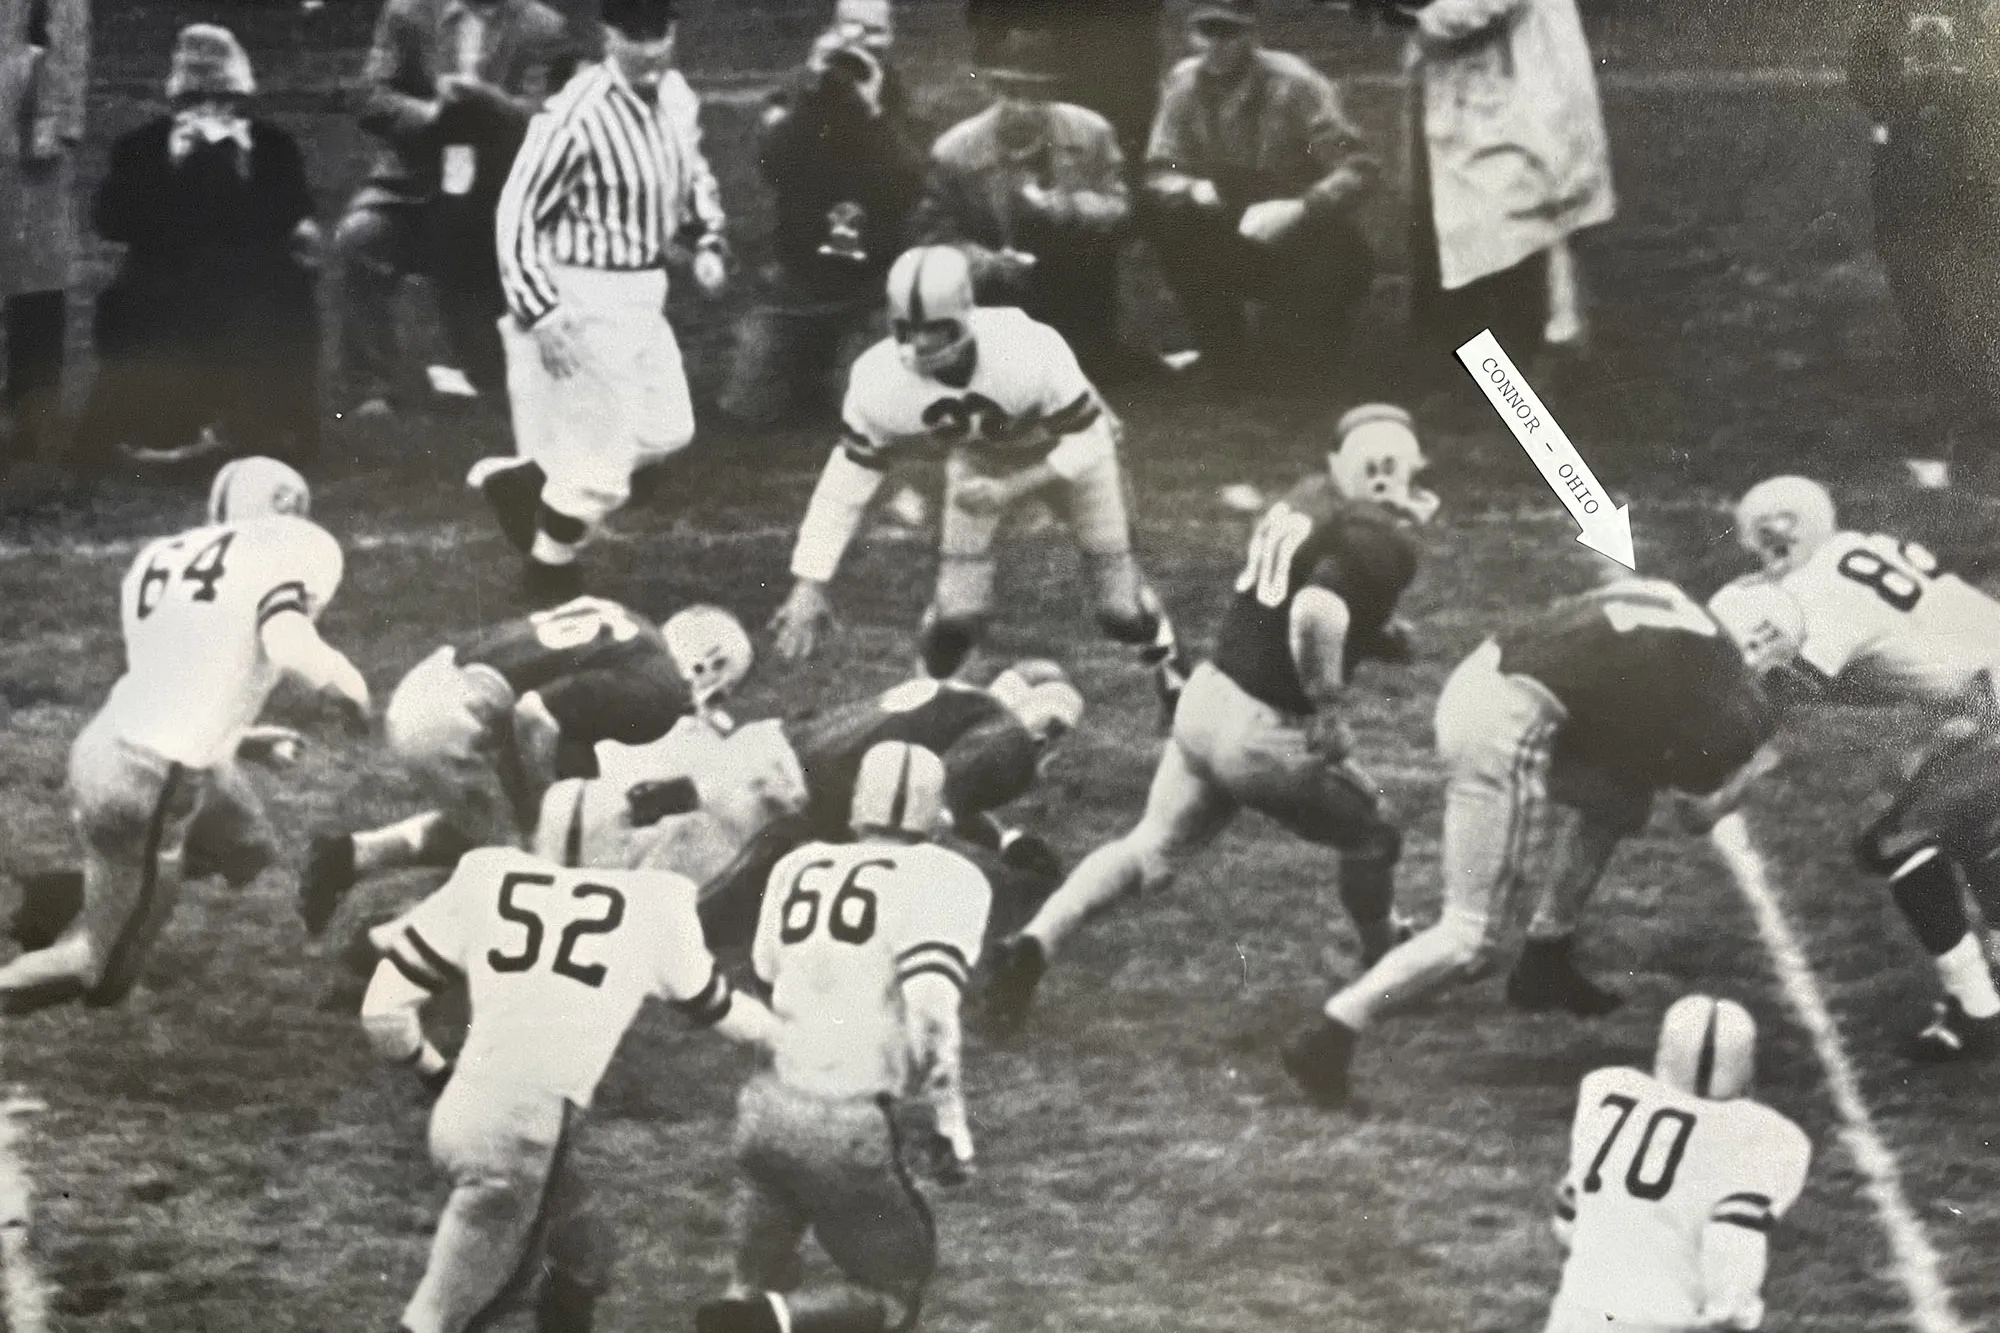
1606	527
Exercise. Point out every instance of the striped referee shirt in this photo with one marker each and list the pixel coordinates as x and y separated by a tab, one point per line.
606	179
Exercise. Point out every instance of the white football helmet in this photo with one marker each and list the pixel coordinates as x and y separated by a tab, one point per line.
899	789
711	649
1376	457
1783	520
930	308
1039	693
1766	623
1707	1047
256	487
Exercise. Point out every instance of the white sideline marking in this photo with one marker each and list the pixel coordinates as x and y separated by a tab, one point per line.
25	1299
1911	1255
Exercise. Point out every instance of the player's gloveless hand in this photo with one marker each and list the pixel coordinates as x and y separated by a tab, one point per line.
556	340
711	271
802	620
1271	221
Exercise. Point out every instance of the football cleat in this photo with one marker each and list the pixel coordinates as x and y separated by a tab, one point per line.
738	1314
1019	962
326	880
1545	979
1319	1059
50	901
1953	1034
513	490
1031	855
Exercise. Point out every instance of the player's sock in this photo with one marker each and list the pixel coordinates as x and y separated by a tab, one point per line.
1408	972
1368	891
565	1306
1109	874
765	1312
396	845
944	644
1545	977
1963	971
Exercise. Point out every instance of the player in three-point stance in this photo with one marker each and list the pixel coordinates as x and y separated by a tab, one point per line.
212	618
1883	624
1675	1180
722	806
1259	725
1565	686
866	946
557	964
1003	399
480	722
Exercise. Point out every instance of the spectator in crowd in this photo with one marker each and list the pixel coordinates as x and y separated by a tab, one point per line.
211	320
1928	74
44	75
1255	173
1033	191
1512	160
846	177
448	89
1107	55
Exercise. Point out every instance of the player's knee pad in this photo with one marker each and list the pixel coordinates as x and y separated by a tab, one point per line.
1462	942
945	641
1368	874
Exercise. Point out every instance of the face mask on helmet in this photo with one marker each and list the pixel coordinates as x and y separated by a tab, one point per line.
1784	520
1378	460
1764	621
247	488
930	308
1707	1047
711	651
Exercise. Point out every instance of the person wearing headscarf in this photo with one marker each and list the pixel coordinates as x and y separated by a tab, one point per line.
209	333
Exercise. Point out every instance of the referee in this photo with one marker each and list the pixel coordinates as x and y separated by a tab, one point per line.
610	175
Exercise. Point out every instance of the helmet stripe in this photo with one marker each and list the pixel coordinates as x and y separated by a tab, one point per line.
902	797
917	289
1704	1063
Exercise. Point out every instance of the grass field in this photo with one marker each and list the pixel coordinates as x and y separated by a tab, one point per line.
221	1154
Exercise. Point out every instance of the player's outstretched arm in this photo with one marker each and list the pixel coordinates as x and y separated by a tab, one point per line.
293	643
833	516
931	1006
392	1016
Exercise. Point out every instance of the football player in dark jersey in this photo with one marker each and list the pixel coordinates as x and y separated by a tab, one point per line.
723	805
479	722
1259	725
1634	682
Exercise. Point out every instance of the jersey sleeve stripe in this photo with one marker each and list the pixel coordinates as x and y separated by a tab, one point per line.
436	961
1079	415
712	1005
950	951
416	973
1758	1221
955	975
1748	1196
861	450
280	600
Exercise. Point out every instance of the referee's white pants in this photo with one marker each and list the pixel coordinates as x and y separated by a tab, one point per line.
626	404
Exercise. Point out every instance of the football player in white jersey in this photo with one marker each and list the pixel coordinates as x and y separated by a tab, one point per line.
866	946
212	618
1883	624
1003	399
557	964
1675	1180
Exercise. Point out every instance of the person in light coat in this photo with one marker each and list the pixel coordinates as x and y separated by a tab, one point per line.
1511	159
44	74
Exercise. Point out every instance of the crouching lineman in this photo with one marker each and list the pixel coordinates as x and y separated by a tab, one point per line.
1633	679
480	722
1883	624
557	964
723	807
865	946
1259	725
212	618
1675	1181
1003	398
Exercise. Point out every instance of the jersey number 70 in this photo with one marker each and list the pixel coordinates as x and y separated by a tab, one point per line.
1656	1157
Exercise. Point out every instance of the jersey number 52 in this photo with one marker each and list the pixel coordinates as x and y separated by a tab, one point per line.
535	932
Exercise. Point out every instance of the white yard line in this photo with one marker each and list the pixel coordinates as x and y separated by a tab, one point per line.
25	1300
1912	1257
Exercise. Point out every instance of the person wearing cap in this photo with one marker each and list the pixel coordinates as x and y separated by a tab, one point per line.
213	618
1260	725
1107	55
1033	191
44	86
839	153
1512	160
1676	1180
864	945
1557	688
447	90
209	333
610	184
1255	172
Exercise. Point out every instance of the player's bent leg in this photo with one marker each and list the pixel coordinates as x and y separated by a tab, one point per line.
1925	884
580	1252
1546	977
955	621
230	835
